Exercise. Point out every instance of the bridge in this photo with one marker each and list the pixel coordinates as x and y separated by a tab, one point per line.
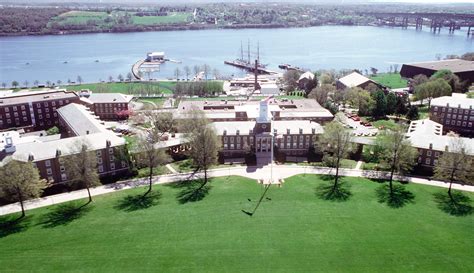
436	21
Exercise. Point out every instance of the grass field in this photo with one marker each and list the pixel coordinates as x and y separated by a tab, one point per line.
171	18
392	80
122	87
292	231
81	17
423	112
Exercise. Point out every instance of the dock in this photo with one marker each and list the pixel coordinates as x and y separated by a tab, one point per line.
136	69
249	67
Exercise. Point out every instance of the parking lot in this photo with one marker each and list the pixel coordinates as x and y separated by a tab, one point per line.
356	126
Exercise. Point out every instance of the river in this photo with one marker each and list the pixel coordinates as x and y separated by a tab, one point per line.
43	58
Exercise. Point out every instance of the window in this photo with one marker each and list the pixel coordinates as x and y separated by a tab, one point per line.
98	153
99	160
7	110
112	166
15	108
39	111
225	145
22	107
47	163
455	110
124	164
46	110
62	169
23	113
40	116
46	104
469	124
50	179
60	102
49	171
25	119
458	123
63	176
435	161
48	116
225	139
101	169
53	103
111	151
15	114
428	161
464	124
111	158
428	153
436	154
436	108
38	105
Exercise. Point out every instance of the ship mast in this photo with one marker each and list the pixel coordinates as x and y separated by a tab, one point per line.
248	51
241	51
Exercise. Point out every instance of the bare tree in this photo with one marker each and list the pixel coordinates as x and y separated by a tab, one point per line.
148	148
59	82
81	167
4	85
20	181
129	76
187	72
120	78
335	142
79	79
196	70
177	73
206	69
455	164
396	152
26	83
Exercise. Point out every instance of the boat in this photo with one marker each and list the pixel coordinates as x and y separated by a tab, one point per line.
65	62
96	61
248	63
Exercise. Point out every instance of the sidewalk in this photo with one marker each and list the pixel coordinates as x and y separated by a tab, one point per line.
280	172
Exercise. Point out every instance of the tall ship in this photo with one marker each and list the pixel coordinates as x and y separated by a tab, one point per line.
247	60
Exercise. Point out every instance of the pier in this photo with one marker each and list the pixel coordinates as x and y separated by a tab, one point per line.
136	69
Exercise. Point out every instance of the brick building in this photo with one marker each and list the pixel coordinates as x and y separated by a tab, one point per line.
49	153
33	111
110	106
455	113
427	137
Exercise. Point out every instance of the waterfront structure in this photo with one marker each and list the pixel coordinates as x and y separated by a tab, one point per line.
155	57
455	113
354	80
427	137
110	106
33	110
80	127
462	68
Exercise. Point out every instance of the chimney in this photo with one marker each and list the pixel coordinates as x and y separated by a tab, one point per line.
58	153
87	132
31	157
108	143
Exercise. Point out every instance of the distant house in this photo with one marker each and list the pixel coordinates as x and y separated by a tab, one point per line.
455	113
354	80
304	79
462	68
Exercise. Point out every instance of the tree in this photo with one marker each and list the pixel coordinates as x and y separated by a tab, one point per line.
360	99
290	79
417	80
26	83
391	103
14	84
412	113
380	105
4	85
326	78
196	70
52	131
177	73
120	78
204	142
395	68
336	144
309	85
81	167
432	89
468	56
206	69
69	81
111	79
59	82
320	93
148	151
451	78
20	181
187	72
129	76
216	73
79	79
48	83
374	71
396	152
455	164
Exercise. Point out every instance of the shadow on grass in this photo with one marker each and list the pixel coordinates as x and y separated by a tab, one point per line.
459	205
339	193
138	202
398	199
12	224
65	214
192	191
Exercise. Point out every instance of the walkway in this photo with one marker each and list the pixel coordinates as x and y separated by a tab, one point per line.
283	172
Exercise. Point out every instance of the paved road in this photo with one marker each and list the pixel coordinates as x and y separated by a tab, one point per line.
280	172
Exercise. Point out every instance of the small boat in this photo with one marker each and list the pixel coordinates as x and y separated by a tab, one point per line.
96	61
65	62
27	63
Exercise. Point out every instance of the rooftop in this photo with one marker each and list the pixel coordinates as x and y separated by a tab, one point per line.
80	120
35	96
109	98
456	100
354	79
427	134
281	127
455	65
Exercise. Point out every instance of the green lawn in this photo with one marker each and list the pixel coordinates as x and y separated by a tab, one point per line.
81	17
423	112
171	18
390	124
392	80
123	87
292	231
